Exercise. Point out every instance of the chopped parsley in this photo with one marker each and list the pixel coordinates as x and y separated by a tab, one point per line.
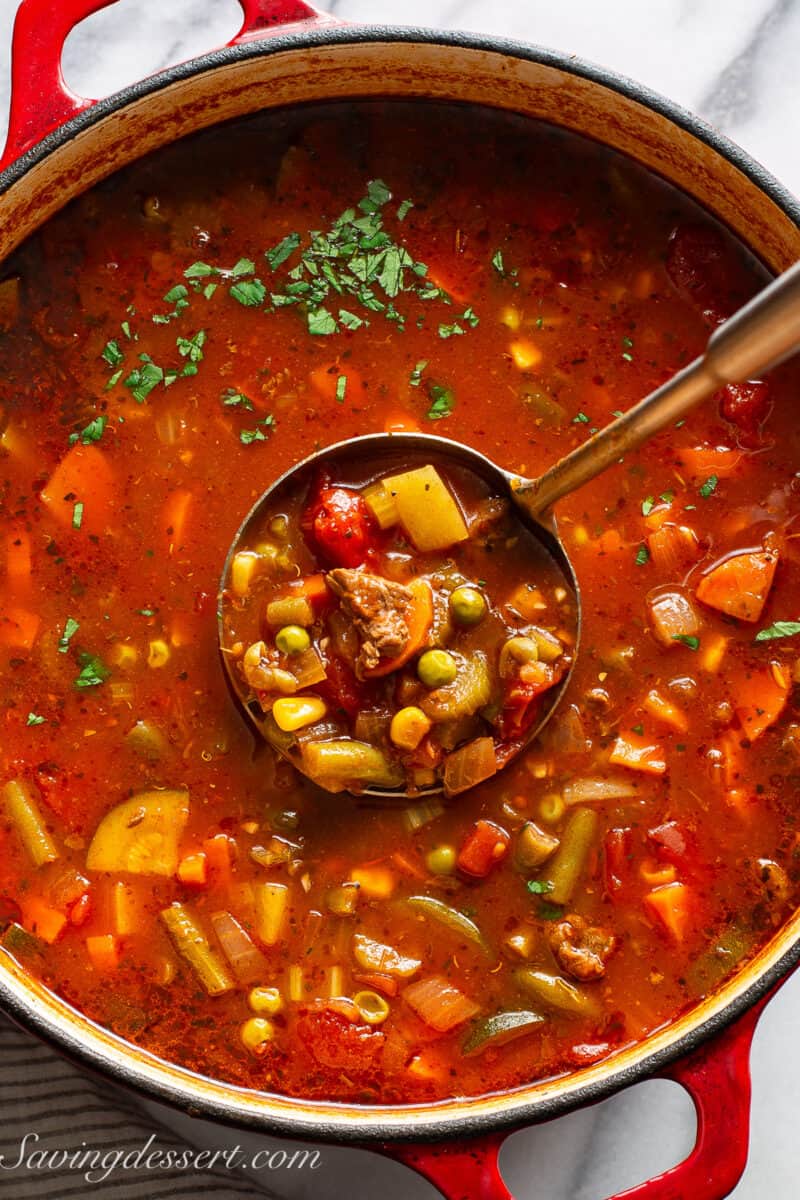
321	323
90	433
93	671
34	719
580	419
709	487
779	629
497	262
642	556
627	346
260	433
191	348
278	254
638	729
341	388
404	208
249	292
647	506
692	642
233	399
416	375
442	402
143	379
448	331
77	514
146	612
540	887
112	353
178	297
71	627
667	497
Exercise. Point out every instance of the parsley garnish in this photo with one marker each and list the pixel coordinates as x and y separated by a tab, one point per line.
648	506
34	719
77	515
637	729
142	380
540	887
90	433
779	629
146	612
112	353
178	297
259	434
448	331
191	348
416	375
692	642
233	399
642	555
341	388
627	347
709	486
442	402
403	209
497	262
278	254
249	292
667	497
321	323
580	419
93	671
71	627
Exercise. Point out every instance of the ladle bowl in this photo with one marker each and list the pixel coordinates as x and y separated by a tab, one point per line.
392	450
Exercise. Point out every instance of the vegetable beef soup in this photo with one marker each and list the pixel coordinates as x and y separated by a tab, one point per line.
179	337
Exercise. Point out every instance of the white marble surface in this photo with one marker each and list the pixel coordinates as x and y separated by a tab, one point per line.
734	62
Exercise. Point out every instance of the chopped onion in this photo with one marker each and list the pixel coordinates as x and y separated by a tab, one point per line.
248	963
593	789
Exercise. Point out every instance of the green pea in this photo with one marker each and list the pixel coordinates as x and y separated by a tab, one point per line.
436	668
467	606
292	639
441	860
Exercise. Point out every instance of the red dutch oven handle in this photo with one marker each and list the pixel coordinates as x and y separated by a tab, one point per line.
41	100
717	1077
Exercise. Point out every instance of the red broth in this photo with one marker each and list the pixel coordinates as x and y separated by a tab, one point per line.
602	884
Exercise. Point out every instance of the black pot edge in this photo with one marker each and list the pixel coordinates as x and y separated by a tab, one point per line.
509	1115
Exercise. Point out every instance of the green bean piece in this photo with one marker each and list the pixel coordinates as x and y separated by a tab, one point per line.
565	866
555	992
192	944
450	918
23	813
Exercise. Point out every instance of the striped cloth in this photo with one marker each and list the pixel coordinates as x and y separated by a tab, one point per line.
42	1094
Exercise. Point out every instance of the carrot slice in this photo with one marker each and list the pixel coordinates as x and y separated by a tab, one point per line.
700	462
193	869
103	950
313	587
739	585
638	753
46	922
420	616
767	692
671	905
83	476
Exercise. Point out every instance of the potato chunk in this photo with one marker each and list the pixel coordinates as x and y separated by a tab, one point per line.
427	510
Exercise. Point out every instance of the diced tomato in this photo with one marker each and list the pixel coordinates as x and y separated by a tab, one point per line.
617	848
520	707
669	841
745	405
341	688
705	269
336	1042
484	847
341	526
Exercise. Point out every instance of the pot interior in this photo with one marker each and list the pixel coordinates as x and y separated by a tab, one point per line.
343	65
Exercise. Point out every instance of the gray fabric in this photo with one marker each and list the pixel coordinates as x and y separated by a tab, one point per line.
41	1093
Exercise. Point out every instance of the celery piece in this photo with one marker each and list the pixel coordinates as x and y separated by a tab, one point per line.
23	813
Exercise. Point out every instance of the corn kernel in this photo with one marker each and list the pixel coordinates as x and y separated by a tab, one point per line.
409	727
525	355
580	535
295	712
266	1001
158	655
510	317
256	1034
123	655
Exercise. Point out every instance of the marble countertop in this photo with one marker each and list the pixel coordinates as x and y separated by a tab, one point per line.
736	65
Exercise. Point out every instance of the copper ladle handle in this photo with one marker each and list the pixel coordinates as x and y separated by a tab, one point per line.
759	336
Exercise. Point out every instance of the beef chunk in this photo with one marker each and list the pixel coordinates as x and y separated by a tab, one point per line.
379	611
582	950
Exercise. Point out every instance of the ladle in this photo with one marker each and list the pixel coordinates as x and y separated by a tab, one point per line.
758	337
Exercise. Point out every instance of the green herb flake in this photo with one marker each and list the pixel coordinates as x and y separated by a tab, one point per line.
260	433
709	487
642	556
497	262
233	399
93	671
125	326
442	402
112	353
192	347
249	292
341	388
779	629
448	331
143	379
667	497
200	270
321	323
113	380
34	719
416	375
627	345
618	413
71	627
638	729
540	887
278	254
692	642
77	515
580	419
647	506
90	433
349	320
245	266
403	209
146	612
